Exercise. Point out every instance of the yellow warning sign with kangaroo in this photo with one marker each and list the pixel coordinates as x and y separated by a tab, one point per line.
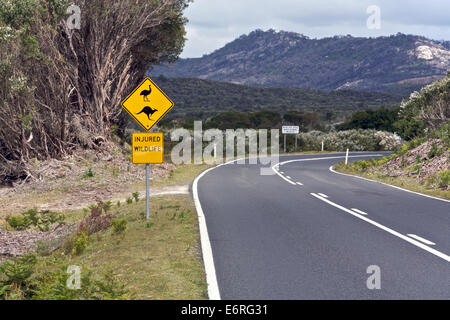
147	104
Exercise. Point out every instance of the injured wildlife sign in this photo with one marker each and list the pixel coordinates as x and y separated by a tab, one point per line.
148	148
147	104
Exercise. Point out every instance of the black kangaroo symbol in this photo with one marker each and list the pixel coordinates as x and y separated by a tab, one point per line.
148	111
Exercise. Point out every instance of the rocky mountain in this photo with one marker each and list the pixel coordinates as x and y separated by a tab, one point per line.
399	63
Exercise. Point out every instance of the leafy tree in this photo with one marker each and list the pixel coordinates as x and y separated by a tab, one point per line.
382	119
61	87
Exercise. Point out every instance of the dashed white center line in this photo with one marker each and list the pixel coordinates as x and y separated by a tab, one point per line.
417	243
421	239
360	212
323	195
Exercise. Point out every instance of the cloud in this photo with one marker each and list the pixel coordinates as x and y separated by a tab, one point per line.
213	23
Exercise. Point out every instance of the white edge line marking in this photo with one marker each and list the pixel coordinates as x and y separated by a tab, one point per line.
211	278
323	195
299	183
359	211
312	159
421	239
389	185
393	232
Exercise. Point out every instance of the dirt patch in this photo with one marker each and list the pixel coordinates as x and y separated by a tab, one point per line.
418	162
17	243
78	181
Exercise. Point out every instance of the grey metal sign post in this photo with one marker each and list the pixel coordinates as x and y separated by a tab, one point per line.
290	130
147	191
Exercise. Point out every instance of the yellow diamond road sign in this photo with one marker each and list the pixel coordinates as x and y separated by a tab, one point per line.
147	104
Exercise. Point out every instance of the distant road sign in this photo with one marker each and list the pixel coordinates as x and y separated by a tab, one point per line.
290	129
147	104
148	148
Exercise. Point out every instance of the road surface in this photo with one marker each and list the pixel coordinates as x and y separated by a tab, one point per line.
309	233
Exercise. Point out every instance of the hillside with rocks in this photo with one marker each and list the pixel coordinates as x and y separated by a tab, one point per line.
398	63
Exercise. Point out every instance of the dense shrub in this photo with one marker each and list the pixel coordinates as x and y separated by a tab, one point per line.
425	111
382	119
354	140
42	220
119	225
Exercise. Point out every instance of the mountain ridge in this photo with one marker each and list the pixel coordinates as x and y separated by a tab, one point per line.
398	63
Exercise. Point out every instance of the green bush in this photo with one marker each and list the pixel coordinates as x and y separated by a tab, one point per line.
42	220
20	279
444	179
15	277
355	140
80	243
435	151
119	225
18	223
136	196
88	174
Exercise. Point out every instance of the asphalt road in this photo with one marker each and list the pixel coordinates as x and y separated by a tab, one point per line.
296	235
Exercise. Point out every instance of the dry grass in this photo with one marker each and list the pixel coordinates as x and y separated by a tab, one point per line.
160	259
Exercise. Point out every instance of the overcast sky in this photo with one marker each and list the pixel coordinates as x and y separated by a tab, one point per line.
213	23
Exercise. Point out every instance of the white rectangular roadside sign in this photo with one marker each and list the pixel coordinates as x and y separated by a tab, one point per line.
290	129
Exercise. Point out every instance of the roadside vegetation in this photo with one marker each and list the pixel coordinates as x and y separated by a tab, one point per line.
120	253
121	256
423	163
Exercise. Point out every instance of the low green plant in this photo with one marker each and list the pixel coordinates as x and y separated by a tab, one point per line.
42	220
20	279
15	277
80	243
88	173
136	196
119	225
435	151
107	206
129	200
444	179
18	223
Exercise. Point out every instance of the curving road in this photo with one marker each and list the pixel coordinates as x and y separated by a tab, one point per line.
309	233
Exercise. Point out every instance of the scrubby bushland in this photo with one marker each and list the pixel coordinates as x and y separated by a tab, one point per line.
61	88
212	98
354	140
425	111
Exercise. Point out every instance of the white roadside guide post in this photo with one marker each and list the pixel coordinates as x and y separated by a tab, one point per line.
147	104
346	157
290	130
323	146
